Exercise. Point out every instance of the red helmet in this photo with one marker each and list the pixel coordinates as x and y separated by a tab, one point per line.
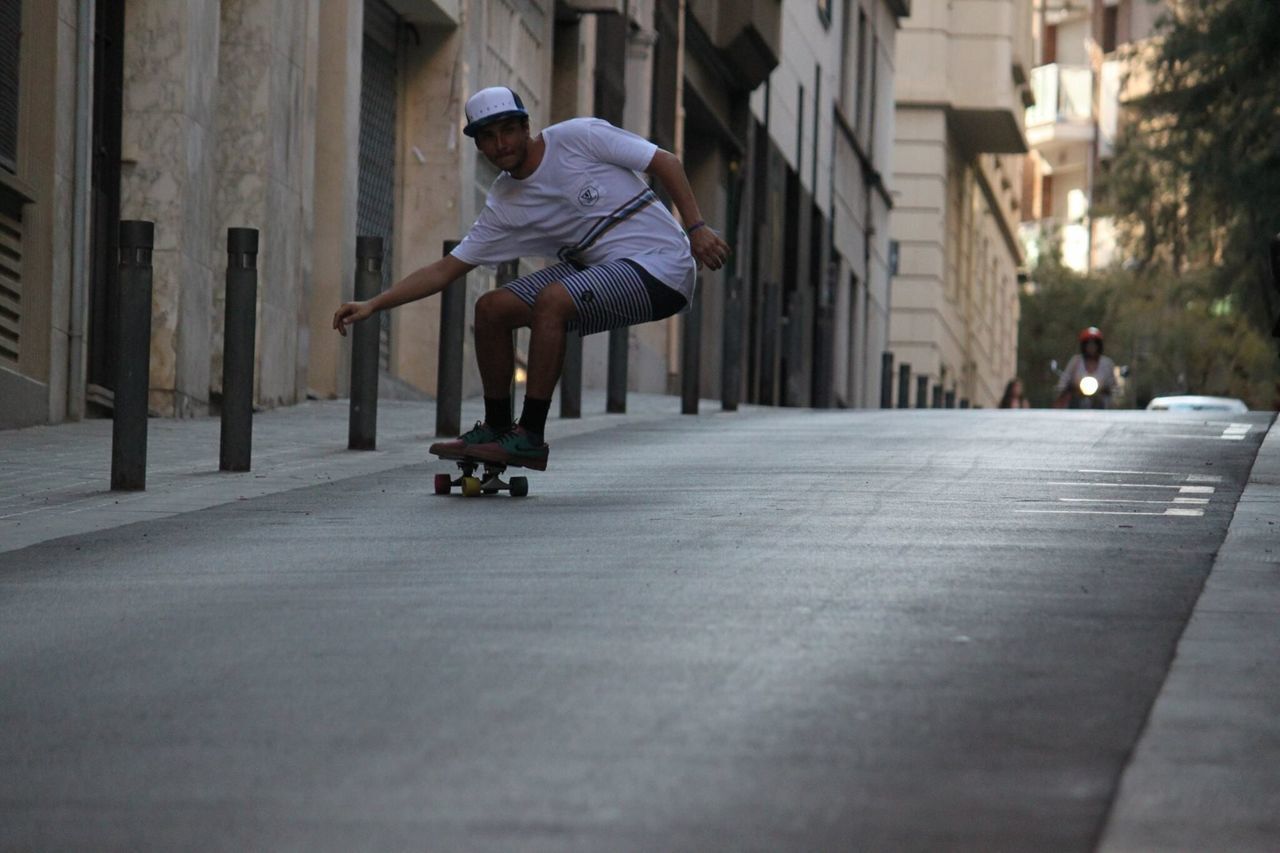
1091	334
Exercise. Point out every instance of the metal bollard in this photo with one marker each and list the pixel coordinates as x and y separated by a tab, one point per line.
362	433
1275	260
571	376
731	346
133	372
904	386
886	380
691	355
922	392
1275	277
616	396
238	334
453	319
509	271
770	332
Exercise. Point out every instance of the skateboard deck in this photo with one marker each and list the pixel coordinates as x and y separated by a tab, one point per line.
474	484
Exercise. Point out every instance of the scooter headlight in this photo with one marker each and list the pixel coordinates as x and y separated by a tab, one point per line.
1088	386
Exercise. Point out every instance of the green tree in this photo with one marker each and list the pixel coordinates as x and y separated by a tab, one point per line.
1173	334
1194	186
1195	181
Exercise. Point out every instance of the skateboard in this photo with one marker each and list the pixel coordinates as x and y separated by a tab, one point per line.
489	484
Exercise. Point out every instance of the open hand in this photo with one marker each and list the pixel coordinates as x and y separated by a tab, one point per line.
708	249
349	313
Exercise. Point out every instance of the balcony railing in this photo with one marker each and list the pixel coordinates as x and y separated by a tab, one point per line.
1064	93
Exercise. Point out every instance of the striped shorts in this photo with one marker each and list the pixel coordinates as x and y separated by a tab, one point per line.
607	296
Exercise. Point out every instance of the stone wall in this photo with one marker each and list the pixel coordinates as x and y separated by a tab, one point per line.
265	133
170	102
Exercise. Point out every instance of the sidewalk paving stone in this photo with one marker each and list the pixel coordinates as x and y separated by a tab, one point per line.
55	480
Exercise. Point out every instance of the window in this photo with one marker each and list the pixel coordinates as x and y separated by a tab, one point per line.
1110	19
824	13
847	72
10	43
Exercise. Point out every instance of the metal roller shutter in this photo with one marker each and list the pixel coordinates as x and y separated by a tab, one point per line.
378	86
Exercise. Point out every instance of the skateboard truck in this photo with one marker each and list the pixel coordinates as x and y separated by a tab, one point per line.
489	484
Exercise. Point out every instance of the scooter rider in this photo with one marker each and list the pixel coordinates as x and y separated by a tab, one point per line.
1089	378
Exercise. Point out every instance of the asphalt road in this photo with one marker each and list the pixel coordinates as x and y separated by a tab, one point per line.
764	631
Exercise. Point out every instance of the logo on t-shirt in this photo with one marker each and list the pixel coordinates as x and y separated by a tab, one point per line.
588	195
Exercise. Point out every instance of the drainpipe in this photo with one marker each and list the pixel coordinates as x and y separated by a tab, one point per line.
79	320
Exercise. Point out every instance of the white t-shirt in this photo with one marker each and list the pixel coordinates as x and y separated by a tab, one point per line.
586	203
1104	372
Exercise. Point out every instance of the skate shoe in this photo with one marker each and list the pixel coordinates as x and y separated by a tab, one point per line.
460	447
516	447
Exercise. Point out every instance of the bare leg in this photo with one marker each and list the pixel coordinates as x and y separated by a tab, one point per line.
552	312
498	314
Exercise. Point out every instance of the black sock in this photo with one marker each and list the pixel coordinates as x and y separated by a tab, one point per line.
534	417
497	413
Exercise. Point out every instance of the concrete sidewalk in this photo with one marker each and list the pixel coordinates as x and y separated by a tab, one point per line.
1205	775
55	480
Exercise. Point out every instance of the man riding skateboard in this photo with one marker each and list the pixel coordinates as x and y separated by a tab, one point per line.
572	193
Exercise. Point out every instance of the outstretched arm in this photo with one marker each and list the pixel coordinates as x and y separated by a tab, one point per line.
420	284
708	248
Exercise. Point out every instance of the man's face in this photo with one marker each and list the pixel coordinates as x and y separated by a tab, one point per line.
504	143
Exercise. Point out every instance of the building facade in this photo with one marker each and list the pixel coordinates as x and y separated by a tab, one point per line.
961	90
819	206
317	120
1085	74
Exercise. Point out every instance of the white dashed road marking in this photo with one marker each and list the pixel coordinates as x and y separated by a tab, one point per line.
1197	501
1203	490
1236	432
1188	501
1190	478
1170	511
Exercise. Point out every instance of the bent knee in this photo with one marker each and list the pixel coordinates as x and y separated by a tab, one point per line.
554	300
501	307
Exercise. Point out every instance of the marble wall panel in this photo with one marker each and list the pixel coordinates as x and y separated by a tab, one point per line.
155	57
278	296
165	267
266	121
63	197
429	188
191	363
202	64
171	69
280	116
335	168
309	38
248	21
240	152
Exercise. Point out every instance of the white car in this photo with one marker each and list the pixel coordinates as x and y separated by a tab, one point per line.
1196	403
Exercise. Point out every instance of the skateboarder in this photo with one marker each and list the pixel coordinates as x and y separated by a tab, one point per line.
573	194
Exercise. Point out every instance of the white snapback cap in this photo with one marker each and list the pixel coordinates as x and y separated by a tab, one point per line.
490	105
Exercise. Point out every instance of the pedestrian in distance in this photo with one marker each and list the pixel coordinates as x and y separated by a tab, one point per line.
1013	396
574	194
